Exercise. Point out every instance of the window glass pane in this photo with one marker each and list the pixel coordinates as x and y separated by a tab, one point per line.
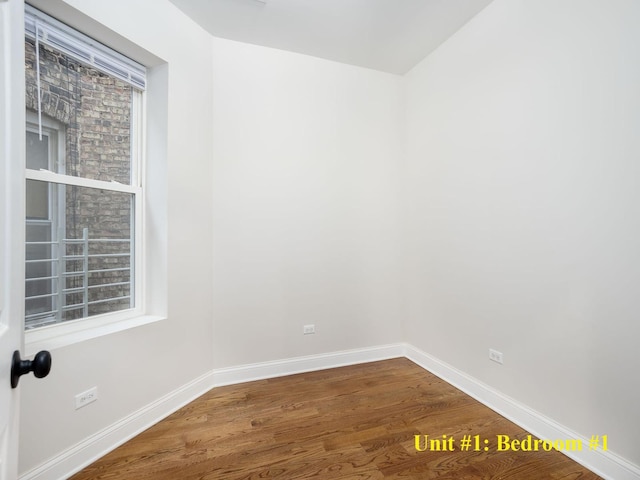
37	201
93	108
37	151
79	261
39	287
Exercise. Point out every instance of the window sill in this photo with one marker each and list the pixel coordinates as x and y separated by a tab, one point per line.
65	334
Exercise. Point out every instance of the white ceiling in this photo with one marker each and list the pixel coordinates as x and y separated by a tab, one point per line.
386	35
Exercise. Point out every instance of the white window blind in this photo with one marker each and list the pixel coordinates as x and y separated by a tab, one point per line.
47	30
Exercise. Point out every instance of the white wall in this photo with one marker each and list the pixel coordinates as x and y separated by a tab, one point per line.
305	204
136	367
522	208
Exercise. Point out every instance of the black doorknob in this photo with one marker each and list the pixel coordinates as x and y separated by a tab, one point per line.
40	366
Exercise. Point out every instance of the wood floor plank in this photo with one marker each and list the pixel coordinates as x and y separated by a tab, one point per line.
350	423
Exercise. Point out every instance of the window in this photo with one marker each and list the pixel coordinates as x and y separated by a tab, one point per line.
84	105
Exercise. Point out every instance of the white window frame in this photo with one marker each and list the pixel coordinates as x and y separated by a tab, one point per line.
74	331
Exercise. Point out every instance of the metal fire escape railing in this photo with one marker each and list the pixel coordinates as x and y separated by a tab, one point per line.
59	297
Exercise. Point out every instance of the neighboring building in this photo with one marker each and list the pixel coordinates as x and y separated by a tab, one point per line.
86	132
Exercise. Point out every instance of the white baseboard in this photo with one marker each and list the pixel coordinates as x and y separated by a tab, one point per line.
291	366
605	464
72	460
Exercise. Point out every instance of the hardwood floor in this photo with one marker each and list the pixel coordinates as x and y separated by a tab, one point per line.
357	423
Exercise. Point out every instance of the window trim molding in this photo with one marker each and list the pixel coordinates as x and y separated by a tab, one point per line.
151	289
75	331
153	280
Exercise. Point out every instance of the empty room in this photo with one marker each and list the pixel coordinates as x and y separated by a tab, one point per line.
331	239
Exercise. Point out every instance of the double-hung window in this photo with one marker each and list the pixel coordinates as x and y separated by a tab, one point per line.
84	111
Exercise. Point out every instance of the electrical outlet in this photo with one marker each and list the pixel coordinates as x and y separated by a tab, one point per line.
496	356
309	329
85	398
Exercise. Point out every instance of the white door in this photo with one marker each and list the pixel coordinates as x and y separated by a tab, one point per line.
12	145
